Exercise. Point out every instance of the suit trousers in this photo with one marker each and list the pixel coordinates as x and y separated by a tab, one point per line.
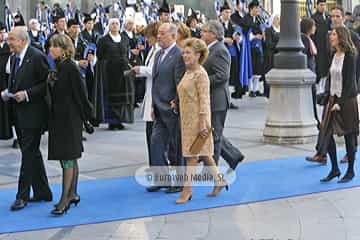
149	128
222	146
165	144
32	171
218	122
230	154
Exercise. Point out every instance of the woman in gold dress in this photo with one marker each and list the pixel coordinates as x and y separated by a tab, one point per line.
195	114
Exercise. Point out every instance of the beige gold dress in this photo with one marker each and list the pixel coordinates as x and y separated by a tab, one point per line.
194	97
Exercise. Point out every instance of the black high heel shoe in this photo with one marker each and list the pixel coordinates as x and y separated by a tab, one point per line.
75	200
331	176
60	212
347	178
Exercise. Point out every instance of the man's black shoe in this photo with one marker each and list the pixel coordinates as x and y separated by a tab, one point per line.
174	190
153	189
18	205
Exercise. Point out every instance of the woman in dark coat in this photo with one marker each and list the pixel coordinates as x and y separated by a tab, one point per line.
308	29
272	36
5	126
118	91
341	114
69	108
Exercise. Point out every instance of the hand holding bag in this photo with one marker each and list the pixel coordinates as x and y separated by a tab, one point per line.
199	142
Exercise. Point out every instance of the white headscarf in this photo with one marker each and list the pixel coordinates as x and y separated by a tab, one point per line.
107	31
273	16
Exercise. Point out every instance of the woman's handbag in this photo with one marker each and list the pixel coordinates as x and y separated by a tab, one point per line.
199	142
322	99
88	127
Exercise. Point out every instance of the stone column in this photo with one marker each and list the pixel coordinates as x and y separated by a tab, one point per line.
290	112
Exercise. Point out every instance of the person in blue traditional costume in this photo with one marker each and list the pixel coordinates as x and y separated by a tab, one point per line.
118	91
232	41
37	37
252	29
60	26
165	12
88	33
192	22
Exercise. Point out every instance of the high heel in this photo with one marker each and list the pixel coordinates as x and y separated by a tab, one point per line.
347	178
181	200
218	189
331	176
75	200
60	212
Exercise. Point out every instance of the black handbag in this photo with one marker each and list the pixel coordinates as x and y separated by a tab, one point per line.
88	127
322	99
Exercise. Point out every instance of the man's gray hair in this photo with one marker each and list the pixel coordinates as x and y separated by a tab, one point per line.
22	33
172	28
216	28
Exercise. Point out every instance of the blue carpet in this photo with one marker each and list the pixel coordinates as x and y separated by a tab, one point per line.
122	198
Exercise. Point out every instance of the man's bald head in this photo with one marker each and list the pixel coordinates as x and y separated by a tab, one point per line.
18	39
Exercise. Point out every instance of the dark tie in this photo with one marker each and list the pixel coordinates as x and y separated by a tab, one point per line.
17	64
162	52
13	73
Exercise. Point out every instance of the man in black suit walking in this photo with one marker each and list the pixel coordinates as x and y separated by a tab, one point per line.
25	93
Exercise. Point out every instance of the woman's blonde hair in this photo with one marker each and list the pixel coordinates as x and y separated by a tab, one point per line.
65	43
199	46
183	30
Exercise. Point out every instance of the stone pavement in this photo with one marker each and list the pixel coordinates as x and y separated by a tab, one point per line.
324	216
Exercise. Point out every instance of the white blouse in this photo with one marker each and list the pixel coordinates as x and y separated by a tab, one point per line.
336	75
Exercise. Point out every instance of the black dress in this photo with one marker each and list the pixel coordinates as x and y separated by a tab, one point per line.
118	91
69	108
5	125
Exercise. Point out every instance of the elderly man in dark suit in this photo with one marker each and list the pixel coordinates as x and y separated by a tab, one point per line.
25	93
217	66
168	70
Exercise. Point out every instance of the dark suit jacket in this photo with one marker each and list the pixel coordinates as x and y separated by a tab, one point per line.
166	78
248	23
91	38
31	77
217	66
321	41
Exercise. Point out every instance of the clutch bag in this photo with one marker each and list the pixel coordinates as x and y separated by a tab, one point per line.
199	142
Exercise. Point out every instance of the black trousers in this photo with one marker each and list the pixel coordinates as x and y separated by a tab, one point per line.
149	128
32	171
